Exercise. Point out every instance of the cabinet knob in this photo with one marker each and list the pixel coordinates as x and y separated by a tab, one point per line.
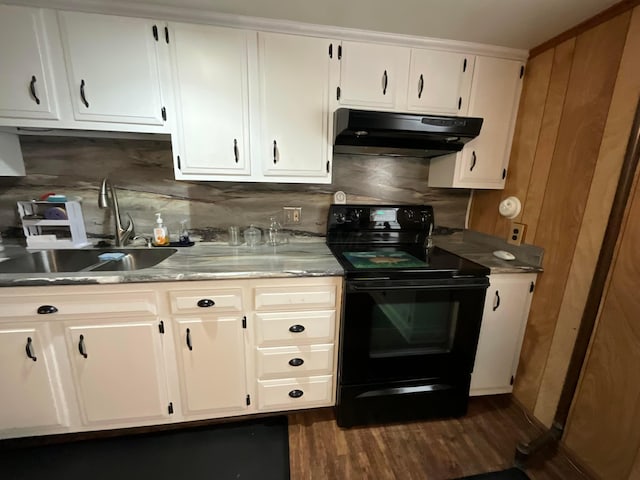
296	328
296	393
29	349
206	302
296	362
32	88
46	309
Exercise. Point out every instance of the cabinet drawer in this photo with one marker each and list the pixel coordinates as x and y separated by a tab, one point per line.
291	393
294	361
279	298
206	300
80	302
295	328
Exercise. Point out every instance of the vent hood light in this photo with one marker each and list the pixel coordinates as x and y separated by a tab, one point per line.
366	132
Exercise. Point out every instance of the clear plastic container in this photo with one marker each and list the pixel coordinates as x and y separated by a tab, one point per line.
274	232
252	236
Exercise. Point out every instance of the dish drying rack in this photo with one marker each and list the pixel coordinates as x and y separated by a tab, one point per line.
65	231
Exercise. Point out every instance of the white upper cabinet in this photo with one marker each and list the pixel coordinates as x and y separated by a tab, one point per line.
296	79
483	162
112	68
373	76
26	81
211	81
439	82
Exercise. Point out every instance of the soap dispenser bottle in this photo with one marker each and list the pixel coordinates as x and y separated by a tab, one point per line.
160	233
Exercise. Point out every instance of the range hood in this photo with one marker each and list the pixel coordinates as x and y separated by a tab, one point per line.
401	134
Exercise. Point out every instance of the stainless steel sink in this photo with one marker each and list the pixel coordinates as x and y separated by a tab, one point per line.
84	260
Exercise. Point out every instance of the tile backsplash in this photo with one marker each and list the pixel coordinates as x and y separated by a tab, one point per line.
142	171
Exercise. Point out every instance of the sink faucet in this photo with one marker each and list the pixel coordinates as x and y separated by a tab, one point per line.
110	200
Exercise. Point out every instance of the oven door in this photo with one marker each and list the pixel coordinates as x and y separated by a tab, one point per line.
397	330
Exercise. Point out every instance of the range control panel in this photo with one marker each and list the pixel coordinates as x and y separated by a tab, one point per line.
372	218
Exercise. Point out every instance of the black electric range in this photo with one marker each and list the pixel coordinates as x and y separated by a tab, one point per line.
411	316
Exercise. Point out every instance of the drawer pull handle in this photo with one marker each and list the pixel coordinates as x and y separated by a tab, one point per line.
296	362
496	301
29	349
296	328
45	309
81	347
189	344
296	393
206	302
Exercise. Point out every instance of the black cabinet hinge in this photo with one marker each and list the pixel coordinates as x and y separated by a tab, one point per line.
512	380
531	287
164	114
331	50
464	66
161	327
166	34
155	32
248	399
504	173
338	93
179	165
328	164
339	52
170	408
522	71
244	322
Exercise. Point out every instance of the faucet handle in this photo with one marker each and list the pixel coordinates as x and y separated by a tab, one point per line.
128	232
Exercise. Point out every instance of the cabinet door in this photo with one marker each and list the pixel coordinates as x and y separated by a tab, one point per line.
373	75
26	85
439	82
28	384
506	310
211	353
295	86
112	68
121	361
210	71
483	162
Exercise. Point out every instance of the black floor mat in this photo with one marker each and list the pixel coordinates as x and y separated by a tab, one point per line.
509	474
256	449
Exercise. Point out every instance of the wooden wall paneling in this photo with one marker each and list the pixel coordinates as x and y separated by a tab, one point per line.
532	204
593	74
484	210
604	425
603	187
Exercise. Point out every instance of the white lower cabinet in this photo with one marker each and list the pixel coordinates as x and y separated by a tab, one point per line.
30	390
95	357
118	370
295	355
506	310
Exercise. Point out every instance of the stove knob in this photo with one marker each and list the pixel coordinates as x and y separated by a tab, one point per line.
340	218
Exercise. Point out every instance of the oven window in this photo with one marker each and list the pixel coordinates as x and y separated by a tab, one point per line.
407	323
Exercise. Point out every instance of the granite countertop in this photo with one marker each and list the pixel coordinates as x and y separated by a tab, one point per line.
479	248
203	261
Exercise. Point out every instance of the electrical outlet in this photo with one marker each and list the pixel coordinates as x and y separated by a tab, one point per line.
516	233
292	215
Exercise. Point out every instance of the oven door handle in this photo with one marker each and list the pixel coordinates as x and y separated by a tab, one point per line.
385	392
359	287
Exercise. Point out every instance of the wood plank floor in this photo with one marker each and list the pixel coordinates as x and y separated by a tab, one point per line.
482	441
